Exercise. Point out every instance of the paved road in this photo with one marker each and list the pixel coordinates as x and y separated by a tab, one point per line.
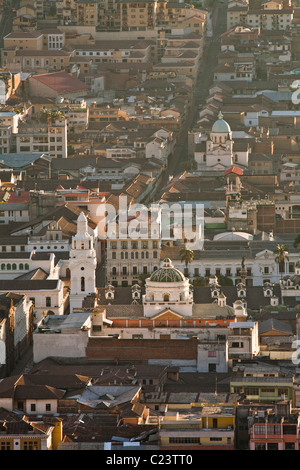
6	20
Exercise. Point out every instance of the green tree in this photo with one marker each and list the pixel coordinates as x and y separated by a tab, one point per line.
297	241
200	281
51	115
189	165
142	279
281	253
187	256
225	280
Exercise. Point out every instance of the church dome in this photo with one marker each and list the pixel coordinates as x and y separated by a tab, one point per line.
221	126
167	273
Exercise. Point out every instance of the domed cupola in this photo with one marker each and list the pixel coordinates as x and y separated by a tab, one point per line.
167	273
167	288
221	131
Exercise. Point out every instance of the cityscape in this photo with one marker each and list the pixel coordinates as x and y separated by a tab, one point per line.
149	227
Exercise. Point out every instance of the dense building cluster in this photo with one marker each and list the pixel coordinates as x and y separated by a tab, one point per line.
128	130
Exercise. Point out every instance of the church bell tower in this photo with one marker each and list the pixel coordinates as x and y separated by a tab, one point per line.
82	264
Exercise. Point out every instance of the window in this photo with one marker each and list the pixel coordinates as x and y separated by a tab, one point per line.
289	446
33	407
5	445
184	440
251	391
48	301
260	446
82	284
20	405
30	445
272	446
48	406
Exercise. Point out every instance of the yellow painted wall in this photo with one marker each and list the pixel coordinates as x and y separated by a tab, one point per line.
223	422
57	435
207	442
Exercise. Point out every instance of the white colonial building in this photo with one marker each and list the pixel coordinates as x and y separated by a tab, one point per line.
167	287
217	152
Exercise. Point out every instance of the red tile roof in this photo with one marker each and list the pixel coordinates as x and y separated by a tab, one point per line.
61	82
235	170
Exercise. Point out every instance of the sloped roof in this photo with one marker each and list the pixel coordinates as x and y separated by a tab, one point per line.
272	324
61	82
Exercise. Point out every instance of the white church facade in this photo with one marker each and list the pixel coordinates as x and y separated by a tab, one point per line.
82	264
219	152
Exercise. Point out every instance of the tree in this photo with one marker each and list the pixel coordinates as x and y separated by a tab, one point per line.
188	165
200	281
281	253
225	280
52	115
187	256
142	279
297	241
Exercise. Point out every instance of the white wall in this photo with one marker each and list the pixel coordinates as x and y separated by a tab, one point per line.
59	345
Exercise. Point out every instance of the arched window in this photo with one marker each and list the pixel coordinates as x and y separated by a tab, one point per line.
82	245
3	267
26	266
166	297
75	244
14	266
82	284
9	266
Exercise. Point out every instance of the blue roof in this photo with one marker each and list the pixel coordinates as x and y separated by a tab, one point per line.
220	125
19	160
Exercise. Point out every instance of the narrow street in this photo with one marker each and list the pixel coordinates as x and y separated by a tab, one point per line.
203	83
6	20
